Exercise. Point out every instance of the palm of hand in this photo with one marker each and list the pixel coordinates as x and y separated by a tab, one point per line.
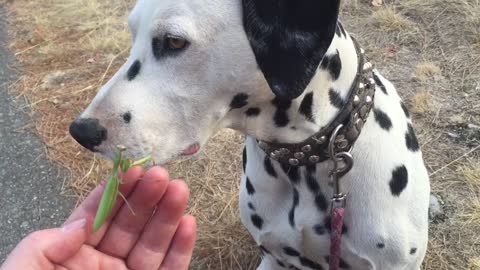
157	236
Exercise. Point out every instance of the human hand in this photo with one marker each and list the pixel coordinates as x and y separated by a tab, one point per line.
158	236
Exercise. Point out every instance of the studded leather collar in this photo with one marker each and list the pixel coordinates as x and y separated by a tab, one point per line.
353	116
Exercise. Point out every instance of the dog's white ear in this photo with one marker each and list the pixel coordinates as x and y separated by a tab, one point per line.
289	39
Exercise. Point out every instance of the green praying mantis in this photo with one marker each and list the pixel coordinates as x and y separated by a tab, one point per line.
111	191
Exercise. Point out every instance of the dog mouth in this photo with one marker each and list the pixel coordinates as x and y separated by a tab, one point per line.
191	150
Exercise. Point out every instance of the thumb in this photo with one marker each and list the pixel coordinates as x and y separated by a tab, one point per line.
48	247
58	245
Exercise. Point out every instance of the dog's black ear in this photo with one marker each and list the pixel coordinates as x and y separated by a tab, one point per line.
289	39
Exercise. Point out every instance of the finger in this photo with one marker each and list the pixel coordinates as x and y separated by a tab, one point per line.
150	249
180	252
126	227
89	206
90	258
49	246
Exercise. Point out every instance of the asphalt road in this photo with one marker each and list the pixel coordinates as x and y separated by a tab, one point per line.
30	187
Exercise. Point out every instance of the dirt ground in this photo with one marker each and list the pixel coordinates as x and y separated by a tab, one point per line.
430	49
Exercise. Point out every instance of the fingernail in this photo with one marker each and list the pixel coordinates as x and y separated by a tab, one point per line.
74	225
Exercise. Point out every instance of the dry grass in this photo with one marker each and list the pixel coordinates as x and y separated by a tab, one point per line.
426	70
421	102
388	19
474	264
472	179
85	41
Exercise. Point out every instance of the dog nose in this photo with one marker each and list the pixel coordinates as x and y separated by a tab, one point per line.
88	132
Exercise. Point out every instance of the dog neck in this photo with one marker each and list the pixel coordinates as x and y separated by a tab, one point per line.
268	118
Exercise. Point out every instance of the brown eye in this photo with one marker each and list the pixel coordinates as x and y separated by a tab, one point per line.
175	43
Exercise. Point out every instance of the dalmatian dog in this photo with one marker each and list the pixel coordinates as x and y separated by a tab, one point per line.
278	71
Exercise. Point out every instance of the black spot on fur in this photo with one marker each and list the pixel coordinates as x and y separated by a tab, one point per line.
321	202
157	47
343	264
311	169
319	229
244	158
310	264
239	101
405	109
252	112
339	25
333	64
291	214
338	32
127	117
269	167
250	188
289	39
257	221
280	263
250	205
380	84
291	251
399	180
281	114
134	70
411	139
380	245
413	250
312	183
306	106
335	99
328	225
292	172
264	250
382	119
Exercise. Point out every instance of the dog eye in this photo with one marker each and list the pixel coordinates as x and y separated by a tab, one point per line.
175	43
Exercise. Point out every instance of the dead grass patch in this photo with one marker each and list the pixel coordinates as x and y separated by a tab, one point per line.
474	263
426	70
471	174
387	19
421	102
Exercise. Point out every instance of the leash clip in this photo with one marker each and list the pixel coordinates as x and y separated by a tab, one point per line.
342	164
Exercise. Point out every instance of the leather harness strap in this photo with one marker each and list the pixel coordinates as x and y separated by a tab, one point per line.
352	116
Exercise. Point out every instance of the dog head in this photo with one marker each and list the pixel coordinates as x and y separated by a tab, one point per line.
193	63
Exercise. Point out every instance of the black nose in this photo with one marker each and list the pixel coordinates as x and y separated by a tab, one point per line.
88	132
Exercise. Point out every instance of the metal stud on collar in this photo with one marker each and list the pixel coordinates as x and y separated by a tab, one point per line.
356	100
299	155
293	161
367	66
307	148
368	99
314	159
321	140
